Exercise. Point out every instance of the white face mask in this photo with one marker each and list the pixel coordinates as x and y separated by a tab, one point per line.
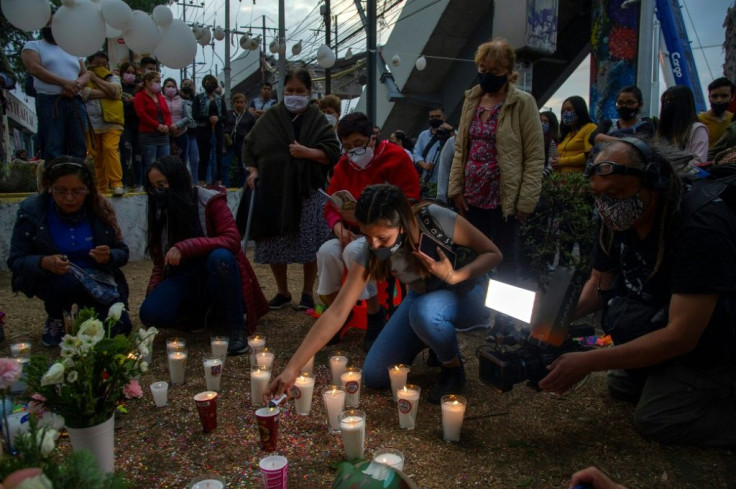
361	157
331	119
296	103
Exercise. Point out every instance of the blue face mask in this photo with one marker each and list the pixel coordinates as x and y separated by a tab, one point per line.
568	117
545	128
385	252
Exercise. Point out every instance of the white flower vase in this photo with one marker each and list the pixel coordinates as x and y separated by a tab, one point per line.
98	439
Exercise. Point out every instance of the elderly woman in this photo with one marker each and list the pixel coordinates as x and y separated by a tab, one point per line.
289	152
66	248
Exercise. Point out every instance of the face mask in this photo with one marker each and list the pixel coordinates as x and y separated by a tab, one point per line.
435	123
362	160
620	215
160	197
156	87
627	113
209	88
568	117
491	83
719	109
384	253
545	128
296	103
129	78
170	92
147	70
186	91
47	35
331	119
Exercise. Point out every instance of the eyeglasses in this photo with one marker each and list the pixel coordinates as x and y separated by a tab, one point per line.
626	103
611	168
358	151
75	192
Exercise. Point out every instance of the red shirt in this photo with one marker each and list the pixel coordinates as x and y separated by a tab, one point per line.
147	111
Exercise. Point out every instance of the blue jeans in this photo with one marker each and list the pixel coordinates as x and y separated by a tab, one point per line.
62	122
152	152
193	155
182	142
192	287
423	320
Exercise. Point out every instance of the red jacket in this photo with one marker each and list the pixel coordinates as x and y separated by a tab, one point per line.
148	112
221	232
390	164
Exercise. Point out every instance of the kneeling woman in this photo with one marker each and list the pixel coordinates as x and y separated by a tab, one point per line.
66	248
440	298
198	265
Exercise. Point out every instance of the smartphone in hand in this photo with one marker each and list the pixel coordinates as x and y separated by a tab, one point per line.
429	245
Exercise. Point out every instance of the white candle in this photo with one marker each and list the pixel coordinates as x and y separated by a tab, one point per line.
177	366
212	373
309	366
398	374
20	349
453	411
256	343
408	400
265	358
219	346
391	457
303	392
338	364
334	397
208	484
351	379
175	344
352	429
259	378
160	392
19	385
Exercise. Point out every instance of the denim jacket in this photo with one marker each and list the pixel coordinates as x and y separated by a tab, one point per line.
201	109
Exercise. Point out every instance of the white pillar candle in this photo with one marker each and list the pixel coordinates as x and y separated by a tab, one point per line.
453	412
21	349
338	364
351	380
209	484
265	358
160	391
408	400
256	343
398	374
352	429
259	378
334	397
219	346
309	366
302	392
177	366
391	457
175	344
212	373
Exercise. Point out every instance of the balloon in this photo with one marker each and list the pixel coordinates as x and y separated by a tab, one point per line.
177	47
143	36
421	63
245	42
67	3
219	33
206	36
396	60
349	54
66	28
112	33
27	15
325	56
198	32
117	14
255	43
274	47
296	49
162	16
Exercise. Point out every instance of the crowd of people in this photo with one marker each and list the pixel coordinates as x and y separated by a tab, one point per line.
669	305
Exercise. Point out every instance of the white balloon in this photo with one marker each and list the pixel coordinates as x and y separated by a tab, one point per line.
296	49
206	37
143	36
177	47
421	63
162	16
325	56
117	14
219	33
323	51
198	32
112	33
349	54
66	28
396	60
27	15
255	43
68	3
273	47
245	42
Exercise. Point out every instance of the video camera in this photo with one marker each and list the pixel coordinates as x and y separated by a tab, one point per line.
515	356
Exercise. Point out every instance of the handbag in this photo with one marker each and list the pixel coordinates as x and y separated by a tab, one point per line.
100	285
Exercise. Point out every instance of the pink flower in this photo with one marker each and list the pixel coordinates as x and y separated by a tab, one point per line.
36	405
10	371
133	390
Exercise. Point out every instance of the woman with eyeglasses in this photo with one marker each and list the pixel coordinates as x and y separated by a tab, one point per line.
629	102
67	248
199	268
576	128
289	153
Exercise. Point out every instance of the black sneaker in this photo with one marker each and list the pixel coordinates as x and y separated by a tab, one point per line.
432	360
375	325
279	301
307	302
238	344
53	332
451	381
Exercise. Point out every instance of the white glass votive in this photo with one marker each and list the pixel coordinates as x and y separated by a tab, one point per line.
351	379
177	365
175	344
309	366
408	401
302	392
259	379
352	429
219	346
20	349
338	364
19	386
160	391
334	397
212	372
453	412
398	374
389	456
265	358
256	344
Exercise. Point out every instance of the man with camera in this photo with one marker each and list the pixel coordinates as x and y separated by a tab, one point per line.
429	144
665	277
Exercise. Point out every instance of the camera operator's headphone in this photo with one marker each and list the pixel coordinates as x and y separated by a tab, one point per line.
653	177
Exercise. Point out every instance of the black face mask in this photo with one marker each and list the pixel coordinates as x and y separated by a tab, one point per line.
186	91
627	113
209	88
491	83
160	197
384	253
435	123
719	109
48	35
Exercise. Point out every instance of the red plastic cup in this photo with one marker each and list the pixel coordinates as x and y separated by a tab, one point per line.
268	427
274	471
207	406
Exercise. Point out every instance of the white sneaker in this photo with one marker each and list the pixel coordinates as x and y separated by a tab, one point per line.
118	191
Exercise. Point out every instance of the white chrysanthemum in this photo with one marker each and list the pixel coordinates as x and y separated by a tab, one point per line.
92	328
54	375
69	342
72	376
116	310
67	353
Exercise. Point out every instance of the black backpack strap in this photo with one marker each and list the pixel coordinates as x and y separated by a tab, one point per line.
429	225
701	192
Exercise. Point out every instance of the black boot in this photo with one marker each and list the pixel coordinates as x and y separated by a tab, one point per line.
451	381
238	344
375	325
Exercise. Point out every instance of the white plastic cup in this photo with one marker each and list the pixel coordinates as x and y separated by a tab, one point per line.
160	391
